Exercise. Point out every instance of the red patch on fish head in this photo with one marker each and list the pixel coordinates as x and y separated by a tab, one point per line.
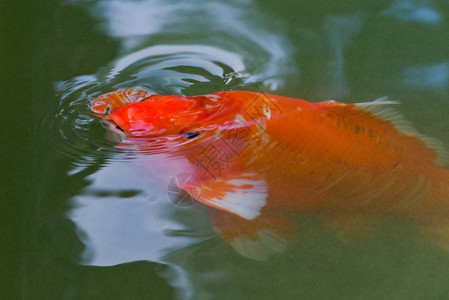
159	115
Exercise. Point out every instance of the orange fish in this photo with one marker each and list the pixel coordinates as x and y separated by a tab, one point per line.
259	158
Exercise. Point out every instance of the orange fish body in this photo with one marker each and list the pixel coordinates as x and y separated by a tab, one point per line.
260	157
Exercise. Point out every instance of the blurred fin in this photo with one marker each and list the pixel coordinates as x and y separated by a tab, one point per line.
352	227
438	234
256	239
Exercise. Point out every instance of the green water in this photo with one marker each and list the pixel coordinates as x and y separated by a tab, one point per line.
78	223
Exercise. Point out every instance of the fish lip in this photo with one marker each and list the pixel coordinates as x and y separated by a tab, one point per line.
114	133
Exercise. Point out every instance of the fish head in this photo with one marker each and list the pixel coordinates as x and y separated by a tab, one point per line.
135	112
157	116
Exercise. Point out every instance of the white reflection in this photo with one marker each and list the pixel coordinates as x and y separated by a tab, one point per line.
435	76
126	229
415	11
117	229
341	31
230	30
208	53
127	18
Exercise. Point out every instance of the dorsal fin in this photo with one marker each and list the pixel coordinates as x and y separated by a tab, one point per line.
382	108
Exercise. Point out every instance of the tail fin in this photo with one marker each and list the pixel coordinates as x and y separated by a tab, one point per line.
107	102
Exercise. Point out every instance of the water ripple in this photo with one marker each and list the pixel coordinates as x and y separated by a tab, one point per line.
163	69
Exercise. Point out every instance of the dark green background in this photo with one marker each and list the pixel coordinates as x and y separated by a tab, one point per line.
46	41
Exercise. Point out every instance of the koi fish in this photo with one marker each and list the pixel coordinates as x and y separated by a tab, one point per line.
260	158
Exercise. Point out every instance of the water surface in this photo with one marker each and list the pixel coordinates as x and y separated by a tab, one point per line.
92	225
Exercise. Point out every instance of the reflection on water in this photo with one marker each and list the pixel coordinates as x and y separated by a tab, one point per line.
127	218
314	50
122	218
172	68
433	77
231	27
414	11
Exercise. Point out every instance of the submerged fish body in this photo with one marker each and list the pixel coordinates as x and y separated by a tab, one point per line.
262	157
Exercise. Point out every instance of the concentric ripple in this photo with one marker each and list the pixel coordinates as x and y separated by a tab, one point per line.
79	135
162	69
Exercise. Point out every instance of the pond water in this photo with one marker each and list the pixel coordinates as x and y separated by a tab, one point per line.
84	224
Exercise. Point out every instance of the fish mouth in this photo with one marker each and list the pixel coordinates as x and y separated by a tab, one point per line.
114	133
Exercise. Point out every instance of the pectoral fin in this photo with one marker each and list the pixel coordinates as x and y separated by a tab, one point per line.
257	239
243	195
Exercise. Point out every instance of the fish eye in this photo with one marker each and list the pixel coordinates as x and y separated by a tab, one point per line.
191	134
